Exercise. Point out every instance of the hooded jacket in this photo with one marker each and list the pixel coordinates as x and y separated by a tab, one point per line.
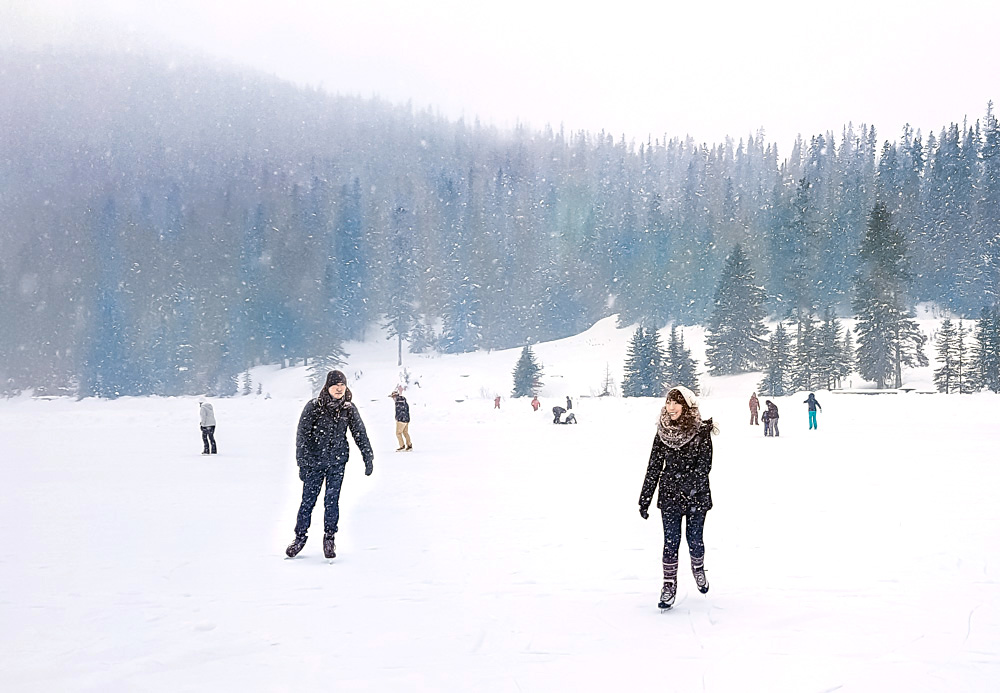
321	439
681	474
812	402
207	414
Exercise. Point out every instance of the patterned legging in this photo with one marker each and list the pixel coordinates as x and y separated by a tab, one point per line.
695	527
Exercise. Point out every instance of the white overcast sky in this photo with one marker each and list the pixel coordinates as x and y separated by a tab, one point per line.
705	68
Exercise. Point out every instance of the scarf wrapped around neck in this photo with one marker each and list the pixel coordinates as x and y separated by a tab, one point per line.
675	436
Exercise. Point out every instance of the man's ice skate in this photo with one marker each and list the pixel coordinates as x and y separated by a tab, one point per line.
293	549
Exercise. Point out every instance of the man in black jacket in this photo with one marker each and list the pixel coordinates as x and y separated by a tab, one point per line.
402	422
321	451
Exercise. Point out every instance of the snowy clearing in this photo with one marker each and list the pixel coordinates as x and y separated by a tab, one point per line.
504	553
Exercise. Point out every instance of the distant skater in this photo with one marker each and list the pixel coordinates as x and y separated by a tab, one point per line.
766	418
679	465
207	427
402	421
569	403
535	404
496	402
772	416
754	406
321	451
813	406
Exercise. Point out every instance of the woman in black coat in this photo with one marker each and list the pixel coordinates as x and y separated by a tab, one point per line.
321	451
679	465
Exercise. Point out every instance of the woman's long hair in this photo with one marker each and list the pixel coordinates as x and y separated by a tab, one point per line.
687	419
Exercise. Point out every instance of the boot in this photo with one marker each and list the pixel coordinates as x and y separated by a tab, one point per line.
698	569
669	591
329	548
401	448
293	549
409	447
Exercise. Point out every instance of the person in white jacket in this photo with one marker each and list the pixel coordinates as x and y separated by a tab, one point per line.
208	428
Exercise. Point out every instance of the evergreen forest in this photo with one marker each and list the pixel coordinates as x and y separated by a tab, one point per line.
166	224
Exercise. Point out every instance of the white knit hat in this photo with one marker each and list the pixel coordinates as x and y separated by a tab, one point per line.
689	397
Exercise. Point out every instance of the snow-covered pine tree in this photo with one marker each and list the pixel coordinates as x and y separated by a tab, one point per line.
421	336
736	328
849	361
986	351
831	361
527	374
644	375
247	385
778	364
946	377
888	336
680	368
655	365
806	368
963	355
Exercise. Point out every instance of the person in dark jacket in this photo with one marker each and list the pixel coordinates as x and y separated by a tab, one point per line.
679	465
772	416
754	406
402	421
321	451
556	413
569	403
813	406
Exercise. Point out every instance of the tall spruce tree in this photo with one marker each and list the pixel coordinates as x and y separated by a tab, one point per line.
644	365
831	361
778	364
888	336
735	330
527	374
680	368
806	367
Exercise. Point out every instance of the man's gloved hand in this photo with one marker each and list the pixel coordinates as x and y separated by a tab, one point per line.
368	468
644	512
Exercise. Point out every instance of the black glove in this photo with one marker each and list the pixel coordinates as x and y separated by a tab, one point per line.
368	468
644	512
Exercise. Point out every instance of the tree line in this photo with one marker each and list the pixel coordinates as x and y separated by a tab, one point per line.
167	224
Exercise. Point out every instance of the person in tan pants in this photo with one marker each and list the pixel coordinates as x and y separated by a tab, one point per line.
402	422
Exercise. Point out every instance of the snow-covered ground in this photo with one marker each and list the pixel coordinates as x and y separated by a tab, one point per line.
503	553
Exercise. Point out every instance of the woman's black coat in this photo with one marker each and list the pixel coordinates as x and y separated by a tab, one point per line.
321	440
681	474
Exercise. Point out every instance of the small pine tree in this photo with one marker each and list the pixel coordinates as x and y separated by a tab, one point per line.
778	366
608	388
946	377
527	374
848	361
247	385
963	355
